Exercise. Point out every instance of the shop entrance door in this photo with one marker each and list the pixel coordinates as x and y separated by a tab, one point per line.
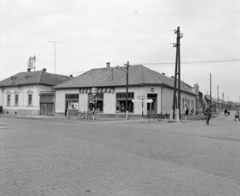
152	107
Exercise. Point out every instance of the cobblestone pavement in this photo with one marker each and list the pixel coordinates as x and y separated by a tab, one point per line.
73	158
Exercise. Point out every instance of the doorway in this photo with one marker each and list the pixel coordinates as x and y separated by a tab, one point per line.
47	109
152	107
47	104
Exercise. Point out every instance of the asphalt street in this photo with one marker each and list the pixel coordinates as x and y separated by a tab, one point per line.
123	158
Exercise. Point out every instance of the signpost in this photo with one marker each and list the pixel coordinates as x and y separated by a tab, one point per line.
142	99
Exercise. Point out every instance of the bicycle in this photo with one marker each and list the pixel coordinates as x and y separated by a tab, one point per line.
162	116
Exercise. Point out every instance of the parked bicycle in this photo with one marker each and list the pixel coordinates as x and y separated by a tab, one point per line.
162	116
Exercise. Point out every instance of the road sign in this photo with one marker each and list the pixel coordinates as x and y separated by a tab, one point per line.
137	101
142	101
142	97
147	101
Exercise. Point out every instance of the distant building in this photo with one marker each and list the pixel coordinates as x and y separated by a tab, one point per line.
111	92
30	92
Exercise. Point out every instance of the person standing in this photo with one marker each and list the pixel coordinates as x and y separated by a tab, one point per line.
186	113
237	114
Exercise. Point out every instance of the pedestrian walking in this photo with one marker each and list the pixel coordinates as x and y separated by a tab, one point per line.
186	113
208	114
225	112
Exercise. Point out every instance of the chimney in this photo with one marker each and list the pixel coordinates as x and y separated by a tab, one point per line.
71	76
44	69
107	64
163	74
29	69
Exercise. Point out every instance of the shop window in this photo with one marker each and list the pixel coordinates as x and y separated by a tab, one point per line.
98	102
121	102
72	101
73	105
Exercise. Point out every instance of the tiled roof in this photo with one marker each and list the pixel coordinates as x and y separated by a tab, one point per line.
34	77
107	77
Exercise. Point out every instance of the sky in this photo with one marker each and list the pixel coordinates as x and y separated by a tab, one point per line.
89	33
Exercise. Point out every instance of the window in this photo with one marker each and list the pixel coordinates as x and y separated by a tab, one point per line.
8	100
98	102
121	102
151	106
29	99
72	96
16	100
123	95
71	101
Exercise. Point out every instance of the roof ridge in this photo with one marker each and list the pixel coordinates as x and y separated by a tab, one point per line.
151	72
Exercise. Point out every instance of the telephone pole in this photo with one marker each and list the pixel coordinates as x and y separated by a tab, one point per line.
54	42
218	96
177	74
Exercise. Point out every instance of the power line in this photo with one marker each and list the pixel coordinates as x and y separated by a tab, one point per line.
214	61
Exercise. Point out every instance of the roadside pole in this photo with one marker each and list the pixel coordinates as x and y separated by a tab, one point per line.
93	90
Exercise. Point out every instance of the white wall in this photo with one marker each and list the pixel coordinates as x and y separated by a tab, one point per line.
83	102
168	100
60	98
23	106
1	97
109	103
164	99
190	98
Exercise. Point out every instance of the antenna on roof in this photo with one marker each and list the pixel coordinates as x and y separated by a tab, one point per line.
54	42
31	63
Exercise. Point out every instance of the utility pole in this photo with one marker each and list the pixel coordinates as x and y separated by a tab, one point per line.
177	73
54	42
127	67
210	88
218	96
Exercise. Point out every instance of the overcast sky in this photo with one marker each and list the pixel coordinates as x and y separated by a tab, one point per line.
90	33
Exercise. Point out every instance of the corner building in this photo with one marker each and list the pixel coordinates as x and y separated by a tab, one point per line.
110	98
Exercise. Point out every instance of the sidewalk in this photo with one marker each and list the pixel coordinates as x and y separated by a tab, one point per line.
109	120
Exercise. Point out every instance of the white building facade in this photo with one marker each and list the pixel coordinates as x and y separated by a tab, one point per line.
111	92
30	93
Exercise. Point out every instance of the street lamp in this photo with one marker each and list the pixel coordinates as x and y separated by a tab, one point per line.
126	72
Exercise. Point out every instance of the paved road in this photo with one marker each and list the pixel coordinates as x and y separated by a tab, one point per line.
71	158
